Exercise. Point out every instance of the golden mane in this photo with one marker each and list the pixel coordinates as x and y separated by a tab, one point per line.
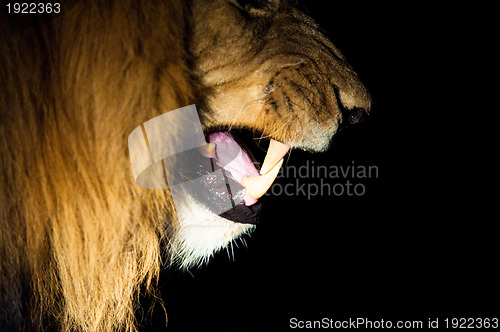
78	239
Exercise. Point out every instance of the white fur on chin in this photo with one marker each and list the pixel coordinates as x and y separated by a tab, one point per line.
200	234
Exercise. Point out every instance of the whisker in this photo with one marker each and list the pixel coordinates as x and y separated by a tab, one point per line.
244	243
301	61
232	249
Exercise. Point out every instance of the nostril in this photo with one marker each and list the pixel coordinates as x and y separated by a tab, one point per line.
350	115
355	116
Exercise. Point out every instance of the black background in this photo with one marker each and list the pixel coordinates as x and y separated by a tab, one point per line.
421	242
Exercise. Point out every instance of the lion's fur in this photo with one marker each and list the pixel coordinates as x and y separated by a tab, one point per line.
74	227
79	241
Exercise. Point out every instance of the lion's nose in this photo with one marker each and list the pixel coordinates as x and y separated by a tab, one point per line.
353	116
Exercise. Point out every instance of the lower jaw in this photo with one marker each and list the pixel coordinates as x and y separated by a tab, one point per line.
244	214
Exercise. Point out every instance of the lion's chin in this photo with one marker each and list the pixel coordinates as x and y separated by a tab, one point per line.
200	234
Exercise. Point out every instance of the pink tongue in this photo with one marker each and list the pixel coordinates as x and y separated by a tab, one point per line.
232	158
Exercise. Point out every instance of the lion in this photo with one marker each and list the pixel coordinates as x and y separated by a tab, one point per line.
80	242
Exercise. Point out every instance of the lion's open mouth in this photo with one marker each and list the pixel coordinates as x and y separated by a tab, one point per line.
242	181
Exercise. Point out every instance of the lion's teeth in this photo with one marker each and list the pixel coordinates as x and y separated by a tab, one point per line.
275	153
208	150
258	185
211	149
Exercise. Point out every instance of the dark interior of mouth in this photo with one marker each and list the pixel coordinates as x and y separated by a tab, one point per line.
223	187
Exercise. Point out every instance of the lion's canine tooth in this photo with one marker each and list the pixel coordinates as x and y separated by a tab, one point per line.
211	149
258	185
275	153
208	150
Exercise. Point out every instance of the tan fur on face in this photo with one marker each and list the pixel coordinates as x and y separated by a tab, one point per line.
294	80
78	238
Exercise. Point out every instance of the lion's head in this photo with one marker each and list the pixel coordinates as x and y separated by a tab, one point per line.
264	66
79	239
